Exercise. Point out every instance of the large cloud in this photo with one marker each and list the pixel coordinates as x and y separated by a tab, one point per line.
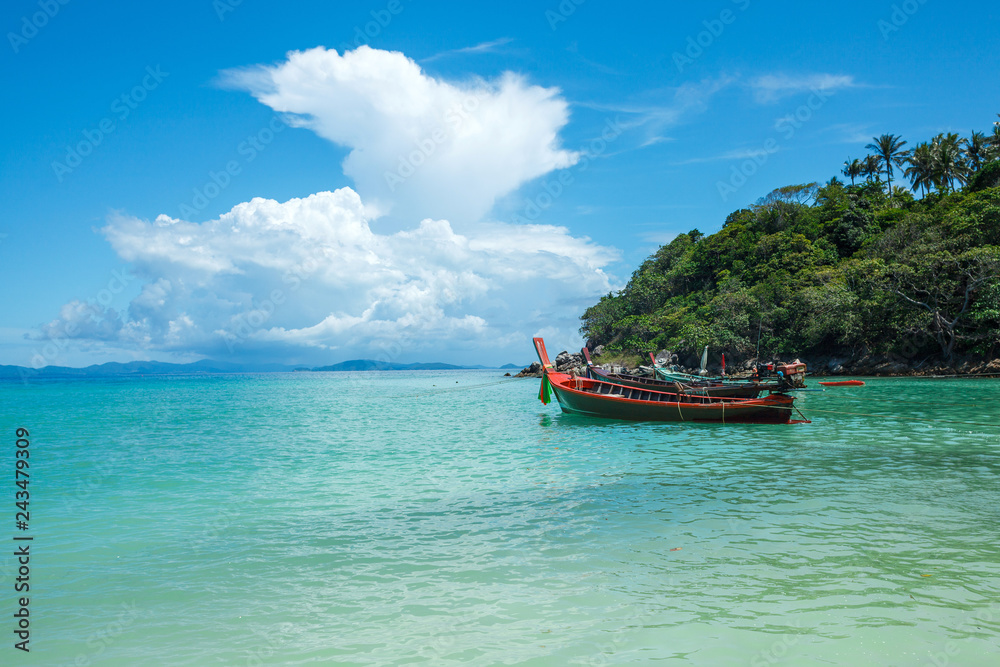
302	278
308	280
419	145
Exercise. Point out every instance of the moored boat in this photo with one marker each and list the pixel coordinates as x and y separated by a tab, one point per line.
844	383
598	398
791	374
745	389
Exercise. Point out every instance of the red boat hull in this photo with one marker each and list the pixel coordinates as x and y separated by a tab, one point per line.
844	383
603	399
596	398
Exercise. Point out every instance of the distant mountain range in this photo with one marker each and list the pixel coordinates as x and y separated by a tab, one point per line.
369	365
207	366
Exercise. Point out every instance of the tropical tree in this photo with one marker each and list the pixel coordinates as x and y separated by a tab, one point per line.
949	161
852	169
900	196
921	168
976	148
889	150
994	141
871	168
943	285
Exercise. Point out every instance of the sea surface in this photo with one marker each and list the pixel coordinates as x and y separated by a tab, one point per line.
449	518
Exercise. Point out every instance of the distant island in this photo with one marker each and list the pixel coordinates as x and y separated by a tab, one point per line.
370	365
206	366
860	277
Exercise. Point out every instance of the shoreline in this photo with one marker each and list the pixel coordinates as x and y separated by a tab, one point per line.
823	367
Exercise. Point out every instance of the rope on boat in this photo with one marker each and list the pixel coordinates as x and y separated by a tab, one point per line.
903	418
808	421
919	377
970	404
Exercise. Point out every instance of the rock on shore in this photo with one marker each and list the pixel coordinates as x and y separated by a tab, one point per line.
564	363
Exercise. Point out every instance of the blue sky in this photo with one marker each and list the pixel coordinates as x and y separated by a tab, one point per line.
193	109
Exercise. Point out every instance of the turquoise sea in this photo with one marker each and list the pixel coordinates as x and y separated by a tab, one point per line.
448	518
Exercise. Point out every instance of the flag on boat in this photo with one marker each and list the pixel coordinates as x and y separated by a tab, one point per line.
545	392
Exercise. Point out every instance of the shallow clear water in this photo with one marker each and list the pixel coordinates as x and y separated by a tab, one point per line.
445	518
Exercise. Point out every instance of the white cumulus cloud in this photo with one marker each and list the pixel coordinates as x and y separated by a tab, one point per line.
306	277
419	145
309	281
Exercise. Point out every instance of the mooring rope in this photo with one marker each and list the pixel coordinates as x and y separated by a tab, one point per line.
903	418
913	377
808	421
970	404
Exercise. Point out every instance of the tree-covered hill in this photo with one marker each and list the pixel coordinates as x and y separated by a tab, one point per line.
852	271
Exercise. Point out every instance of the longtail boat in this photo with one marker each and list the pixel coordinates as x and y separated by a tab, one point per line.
701	387
597	398
844	383
787	376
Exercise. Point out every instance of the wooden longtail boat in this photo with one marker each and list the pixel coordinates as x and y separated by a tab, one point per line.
844	383
676	376
701	388
784	376
587	396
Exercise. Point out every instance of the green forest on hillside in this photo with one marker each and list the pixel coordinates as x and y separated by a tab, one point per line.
840	269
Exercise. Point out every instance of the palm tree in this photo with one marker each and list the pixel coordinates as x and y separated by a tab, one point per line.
949	161
900	196
852	169
921	169
871	167
889	150
976	149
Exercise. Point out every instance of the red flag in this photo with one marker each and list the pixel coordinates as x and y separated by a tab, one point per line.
723	363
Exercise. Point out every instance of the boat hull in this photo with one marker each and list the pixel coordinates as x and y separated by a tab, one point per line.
582	396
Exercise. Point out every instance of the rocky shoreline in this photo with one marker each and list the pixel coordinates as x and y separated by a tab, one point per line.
865	366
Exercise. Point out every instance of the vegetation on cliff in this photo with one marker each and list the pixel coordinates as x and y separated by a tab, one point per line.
849	270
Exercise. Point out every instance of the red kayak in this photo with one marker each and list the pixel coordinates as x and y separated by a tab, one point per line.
844	383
